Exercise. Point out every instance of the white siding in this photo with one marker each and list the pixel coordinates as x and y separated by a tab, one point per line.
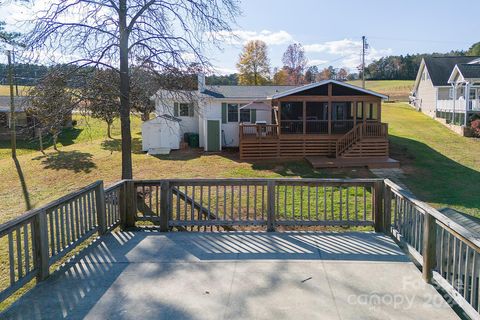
188	124
230	130
426	95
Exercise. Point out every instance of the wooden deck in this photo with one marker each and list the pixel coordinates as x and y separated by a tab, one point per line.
371	163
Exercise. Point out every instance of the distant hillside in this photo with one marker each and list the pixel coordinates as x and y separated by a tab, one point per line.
397	90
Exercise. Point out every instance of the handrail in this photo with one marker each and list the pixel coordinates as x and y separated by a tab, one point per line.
348	139
450	224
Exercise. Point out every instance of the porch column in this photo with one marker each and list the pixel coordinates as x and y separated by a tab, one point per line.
454	102
329	108
304	117
467	101
379	112
354	113
365	106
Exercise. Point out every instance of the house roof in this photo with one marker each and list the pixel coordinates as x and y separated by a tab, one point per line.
440	68
244	92
20	104
324	82
469	71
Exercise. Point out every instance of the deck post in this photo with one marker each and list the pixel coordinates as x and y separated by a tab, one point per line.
271	206
165	204
378	206
128	205
387	210
329	108
40	244
429	246
100	208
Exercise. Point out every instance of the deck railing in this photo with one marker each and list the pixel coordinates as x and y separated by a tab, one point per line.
257	202
448	253
41	237
258	131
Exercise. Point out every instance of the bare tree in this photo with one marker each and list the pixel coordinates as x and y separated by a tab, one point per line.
51	104
295	61
144	85
101	96
117	33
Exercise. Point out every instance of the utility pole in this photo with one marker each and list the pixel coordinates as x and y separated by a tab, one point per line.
12	105
364	48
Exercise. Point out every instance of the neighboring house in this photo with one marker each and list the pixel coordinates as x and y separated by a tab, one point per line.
329	118
23	121
448	88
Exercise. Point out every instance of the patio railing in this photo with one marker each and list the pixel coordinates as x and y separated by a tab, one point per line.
39	239
448	253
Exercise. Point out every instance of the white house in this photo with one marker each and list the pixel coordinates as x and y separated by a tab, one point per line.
448	88
323	119
217	109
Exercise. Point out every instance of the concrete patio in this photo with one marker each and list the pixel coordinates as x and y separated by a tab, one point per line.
291	275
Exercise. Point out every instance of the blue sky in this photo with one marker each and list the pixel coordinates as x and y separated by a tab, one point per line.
331	31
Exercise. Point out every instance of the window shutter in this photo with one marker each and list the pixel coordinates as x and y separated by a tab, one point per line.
190	110
253	115
224	112
175	109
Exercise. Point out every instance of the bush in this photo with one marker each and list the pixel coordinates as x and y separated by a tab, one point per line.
476	127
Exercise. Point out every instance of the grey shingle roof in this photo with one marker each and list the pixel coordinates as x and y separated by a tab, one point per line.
469	71
255	92
440	68
20	103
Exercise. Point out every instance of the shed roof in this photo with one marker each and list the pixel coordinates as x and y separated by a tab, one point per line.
21	103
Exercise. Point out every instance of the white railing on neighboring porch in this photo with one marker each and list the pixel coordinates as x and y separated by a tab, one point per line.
447	105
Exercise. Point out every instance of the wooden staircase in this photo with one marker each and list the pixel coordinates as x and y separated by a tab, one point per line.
365	140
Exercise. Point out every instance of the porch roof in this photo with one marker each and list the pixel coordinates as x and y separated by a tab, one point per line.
325	82
466	72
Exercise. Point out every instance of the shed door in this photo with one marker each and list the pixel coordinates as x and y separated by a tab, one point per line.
213	135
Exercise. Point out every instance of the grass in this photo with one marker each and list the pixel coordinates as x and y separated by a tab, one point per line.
397	90
440	166
5	90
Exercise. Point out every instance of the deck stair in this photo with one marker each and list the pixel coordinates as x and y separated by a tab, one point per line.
364	141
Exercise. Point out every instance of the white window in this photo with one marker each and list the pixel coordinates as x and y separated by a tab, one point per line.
186	110
245	115
183	110
450	93
232	112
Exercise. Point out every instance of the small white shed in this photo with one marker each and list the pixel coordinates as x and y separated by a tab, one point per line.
161	135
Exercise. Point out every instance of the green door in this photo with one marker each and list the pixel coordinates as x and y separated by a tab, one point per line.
213	135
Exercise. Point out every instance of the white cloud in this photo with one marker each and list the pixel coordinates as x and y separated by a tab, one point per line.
349	52
224	71
238	37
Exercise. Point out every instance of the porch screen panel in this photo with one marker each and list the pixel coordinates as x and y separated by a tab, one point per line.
317	117
291	117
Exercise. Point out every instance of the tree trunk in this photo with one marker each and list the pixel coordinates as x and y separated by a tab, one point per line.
12	108
125	94
55	138
40	140
109	134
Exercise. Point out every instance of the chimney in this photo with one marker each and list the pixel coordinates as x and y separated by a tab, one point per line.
201	82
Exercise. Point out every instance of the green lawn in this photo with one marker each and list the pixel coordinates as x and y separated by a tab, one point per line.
441	167
397	90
